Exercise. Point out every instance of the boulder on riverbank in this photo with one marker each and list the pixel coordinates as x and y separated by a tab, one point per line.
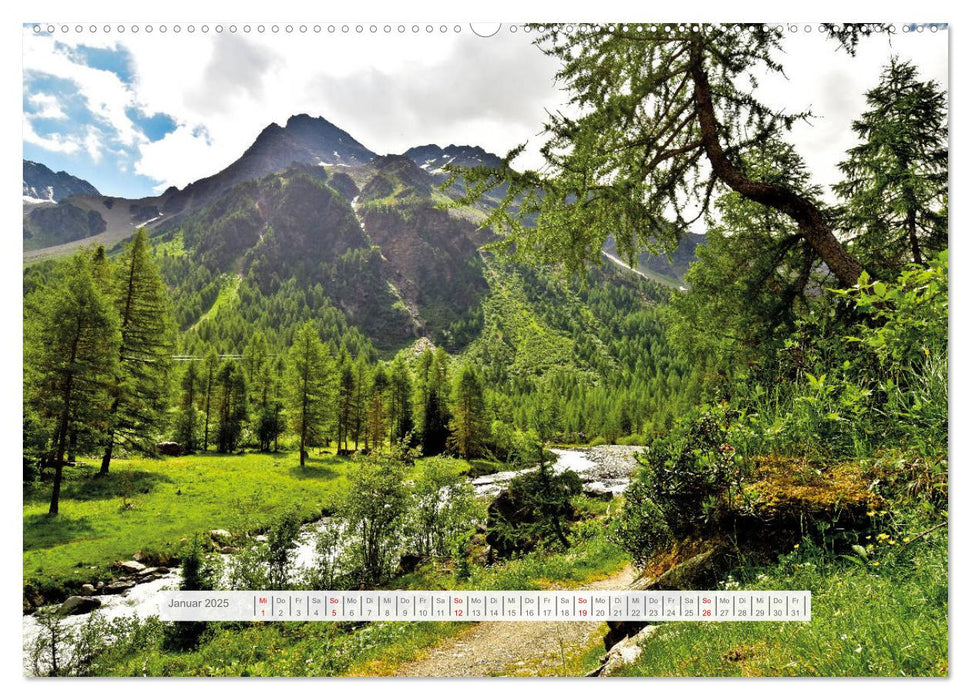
78	605
129	567
118	586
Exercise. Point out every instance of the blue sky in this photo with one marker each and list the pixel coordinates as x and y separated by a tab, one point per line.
73	136
136	113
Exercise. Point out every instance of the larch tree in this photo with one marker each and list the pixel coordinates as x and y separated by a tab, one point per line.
210	370
187	421
400	410
346	401
147	338
377	408
309	388
754	274
362	381
660	115
470	425
895	179
232	409
71	358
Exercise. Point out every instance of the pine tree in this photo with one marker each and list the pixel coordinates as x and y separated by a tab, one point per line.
211	369
147	334
400	413
895	180
435	419
70	358
346	396
309	388
660	115
469	425
377	411
232	408
187	422
262	384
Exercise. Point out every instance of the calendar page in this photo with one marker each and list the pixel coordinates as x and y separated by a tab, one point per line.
446	349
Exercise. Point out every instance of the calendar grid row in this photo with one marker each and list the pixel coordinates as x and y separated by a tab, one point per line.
477	606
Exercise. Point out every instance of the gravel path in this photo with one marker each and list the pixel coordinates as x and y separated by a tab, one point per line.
512	648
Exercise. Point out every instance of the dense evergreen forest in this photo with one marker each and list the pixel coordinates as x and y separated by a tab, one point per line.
791	396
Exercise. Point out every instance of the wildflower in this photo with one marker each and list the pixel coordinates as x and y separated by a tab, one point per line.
906	539
893	543
842	636
858	649
871	513
795	546
876	563
869	537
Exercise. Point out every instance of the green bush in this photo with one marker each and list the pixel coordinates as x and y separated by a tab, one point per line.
443	507
534	511
641	528
694	463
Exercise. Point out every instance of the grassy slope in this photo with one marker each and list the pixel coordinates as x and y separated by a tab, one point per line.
169	499
883	617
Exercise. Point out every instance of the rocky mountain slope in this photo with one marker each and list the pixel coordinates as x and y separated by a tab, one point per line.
42	185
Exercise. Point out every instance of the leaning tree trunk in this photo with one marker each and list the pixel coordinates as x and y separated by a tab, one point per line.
809	219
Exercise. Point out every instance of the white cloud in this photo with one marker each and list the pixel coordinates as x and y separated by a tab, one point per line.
47	106
395	91
54	143
180	157
93	144
103	91
823	78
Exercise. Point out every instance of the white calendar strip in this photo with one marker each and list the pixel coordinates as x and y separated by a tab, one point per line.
479	606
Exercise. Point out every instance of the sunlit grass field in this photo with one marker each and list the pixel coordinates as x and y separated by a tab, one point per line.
150	505
881	617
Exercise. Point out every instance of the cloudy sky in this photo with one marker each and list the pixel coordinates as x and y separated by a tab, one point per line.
136	113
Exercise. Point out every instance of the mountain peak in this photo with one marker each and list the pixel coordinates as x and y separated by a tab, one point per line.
433	158
41	184
298	120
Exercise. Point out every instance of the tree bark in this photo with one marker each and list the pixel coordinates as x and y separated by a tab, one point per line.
125	321
811	224
912	235
110	446
106	459
64	424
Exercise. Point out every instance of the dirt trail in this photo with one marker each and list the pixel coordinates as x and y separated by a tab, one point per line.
514	648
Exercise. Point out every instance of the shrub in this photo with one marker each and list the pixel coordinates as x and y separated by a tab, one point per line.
694	463
374	509
534	511
641	528
443	506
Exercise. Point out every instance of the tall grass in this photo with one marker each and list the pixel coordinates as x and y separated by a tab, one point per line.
885	615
